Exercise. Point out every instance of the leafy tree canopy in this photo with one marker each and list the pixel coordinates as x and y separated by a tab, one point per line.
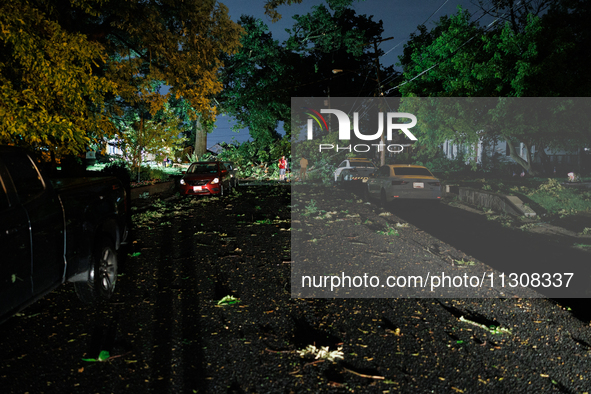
255	80
527	56
66	67
271	6
50	94
327	54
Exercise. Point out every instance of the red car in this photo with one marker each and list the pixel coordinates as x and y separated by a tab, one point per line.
206	178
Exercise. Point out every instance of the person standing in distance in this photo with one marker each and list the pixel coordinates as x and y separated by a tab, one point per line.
303	169
282	168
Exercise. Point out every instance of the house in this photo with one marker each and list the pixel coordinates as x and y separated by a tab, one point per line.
486	154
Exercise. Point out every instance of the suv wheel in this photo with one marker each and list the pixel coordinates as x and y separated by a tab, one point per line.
102	276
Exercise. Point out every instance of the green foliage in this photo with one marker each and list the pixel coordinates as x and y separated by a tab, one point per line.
122	170
443	167
548	194
191	157
497	330
555	198
228	300
143	134
255	79
524	58
329	31
50	96
103	356
148	173
68	68
262	77
251	160
391	231
464	262
552	187
271	6
310	209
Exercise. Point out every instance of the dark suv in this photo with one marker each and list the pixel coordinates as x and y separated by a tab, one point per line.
206	178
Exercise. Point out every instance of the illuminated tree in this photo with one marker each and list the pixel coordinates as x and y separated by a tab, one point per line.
66	67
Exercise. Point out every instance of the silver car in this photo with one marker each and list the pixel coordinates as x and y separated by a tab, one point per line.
403	181
353	171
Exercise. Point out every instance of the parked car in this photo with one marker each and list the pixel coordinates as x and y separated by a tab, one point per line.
206	178
354	171
233	173
402	181
56	230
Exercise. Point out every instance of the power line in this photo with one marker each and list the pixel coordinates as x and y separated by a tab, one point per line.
490	25
426	20
484	13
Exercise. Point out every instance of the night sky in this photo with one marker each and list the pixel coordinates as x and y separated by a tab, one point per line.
400	17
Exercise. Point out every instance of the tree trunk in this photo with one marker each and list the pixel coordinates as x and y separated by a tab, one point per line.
200	139
526	164
544	159
139	153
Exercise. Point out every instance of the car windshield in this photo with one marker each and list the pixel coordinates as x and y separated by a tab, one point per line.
202	168
412	171
361	164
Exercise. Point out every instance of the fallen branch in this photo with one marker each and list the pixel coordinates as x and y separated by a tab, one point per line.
118	355
279	351
314	362
364	375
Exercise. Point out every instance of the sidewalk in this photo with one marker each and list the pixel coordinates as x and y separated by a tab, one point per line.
563	228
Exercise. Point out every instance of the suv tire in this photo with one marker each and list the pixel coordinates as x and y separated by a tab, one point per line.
102	275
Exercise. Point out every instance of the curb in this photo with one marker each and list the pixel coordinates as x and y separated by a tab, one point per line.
539	227
495	201
149	190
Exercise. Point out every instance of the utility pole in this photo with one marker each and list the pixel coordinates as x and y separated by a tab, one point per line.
379	92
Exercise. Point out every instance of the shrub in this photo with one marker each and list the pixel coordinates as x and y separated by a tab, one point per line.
557	199
120	169
552	187
441	166
152	174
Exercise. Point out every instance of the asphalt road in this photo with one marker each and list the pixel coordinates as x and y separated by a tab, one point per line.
508	250
164	331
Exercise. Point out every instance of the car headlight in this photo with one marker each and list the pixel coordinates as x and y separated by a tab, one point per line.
183	182
215	180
